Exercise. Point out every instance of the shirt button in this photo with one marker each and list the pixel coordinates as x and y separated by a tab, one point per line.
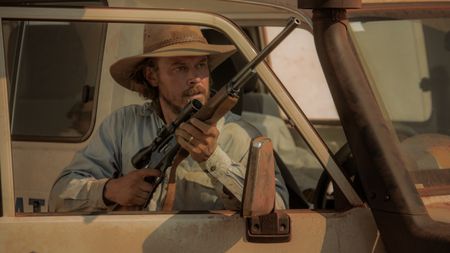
213	168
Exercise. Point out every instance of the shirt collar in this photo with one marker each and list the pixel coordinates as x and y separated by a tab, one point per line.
151	107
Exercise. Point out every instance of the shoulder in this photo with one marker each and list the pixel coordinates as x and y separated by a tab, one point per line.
129	110
128	119
235	136
132	113
235	124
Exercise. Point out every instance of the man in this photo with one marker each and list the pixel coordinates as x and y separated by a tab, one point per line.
173	70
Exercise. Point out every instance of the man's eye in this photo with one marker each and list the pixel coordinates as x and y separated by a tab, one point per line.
181	68
202	65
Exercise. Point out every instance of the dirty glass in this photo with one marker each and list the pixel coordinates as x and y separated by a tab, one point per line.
408	62
300	167
297	65
53	72
298	68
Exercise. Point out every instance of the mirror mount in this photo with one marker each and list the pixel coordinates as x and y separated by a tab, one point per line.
264	224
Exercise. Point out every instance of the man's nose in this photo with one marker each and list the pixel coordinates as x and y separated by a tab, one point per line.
194	77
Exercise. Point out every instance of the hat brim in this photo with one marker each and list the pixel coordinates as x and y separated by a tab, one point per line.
123	69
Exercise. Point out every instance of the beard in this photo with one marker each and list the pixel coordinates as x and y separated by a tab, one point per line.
196	90
185	97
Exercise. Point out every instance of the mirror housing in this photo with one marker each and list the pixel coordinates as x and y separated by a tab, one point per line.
258	198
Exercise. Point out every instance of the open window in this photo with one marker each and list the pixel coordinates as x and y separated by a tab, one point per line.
55	86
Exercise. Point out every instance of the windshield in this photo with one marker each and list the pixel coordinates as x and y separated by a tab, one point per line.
408	64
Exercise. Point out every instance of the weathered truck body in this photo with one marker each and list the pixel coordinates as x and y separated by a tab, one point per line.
354	101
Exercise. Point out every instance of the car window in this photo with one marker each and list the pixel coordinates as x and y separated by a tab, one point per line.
297	65
53	73
262	110
408	63
54	80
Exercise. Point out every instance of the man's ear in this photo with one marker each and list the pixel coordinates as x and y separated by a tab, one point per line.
150	76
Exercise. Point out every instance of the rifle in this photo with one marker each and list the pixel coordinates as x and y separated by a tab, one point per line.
161	152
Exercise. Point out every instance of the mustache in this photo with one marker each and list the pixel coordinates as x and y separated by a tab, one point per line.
194	91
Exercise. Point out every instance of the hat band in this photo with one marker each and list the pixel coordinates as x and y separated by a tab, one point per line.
172	41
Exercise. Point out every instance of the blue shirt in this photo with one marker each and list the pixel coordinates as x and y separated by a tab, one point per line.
199	186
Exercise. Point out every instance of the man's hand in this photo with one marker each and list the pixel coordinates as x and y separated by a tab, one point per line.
131	189
198	138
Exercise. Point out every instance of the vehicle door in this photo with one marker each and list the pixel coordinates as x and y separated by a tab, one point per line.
55	70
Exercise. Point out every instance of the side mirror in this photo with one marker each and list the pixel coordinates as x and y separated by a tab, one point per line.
263	223
259	189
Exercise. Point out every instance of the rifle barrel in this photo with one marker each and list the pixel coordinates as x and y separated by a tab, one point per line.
237	81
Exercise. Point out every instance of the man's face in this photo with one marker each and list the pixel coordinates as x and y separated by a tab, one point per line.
181	79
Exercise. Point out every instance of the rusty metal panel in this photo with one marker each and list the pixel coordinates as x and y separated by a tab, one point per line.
351	231
259	191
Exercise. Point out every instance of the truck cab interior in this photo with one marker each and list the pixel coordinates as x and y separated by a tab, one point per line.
55	91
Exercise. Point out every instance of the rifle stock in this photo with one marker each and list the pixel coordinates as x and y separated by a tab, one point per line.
216	107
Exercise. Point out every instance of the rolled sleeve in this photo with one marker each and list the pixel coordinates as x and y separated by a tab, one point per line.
224	170
96	193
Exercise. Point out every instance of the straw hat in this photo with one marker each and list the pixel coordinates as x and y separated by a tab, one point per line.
169	41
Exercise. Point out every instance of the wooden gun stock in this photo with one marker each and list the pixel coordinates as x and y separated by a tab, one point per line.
216	107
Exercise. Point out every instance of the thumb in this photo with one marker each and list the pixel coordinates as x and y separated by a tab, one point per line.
149	173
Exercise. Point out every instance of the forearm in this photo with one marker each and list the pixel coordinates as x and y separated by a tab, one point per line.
73	192
228	173
231	176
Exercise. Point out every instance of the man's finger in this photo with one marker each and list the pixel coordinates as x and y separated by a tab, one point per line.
145	187
185	144
202	126
142	195
138	200
205	151
191	130
180	132
194	138
149	172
